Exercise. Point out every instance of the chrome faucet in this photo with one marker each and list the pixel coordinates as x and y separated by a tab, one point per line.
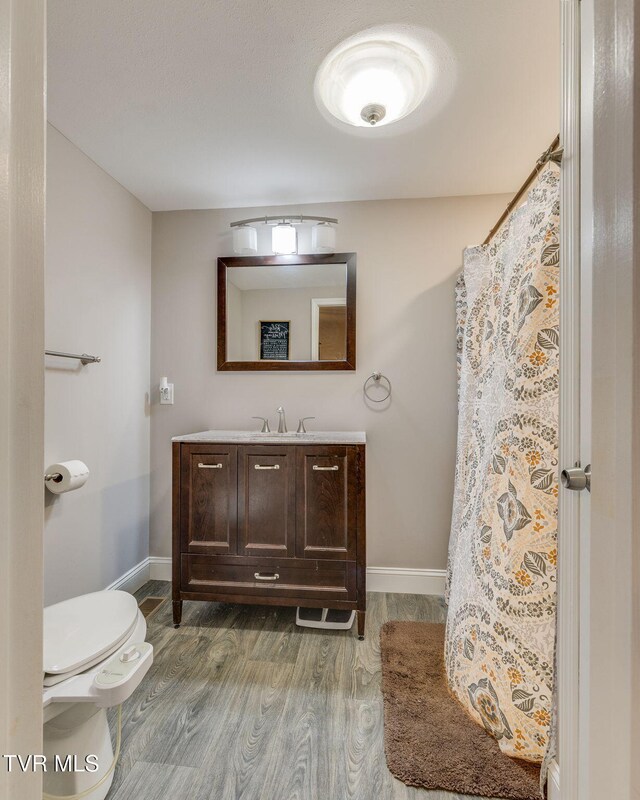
265	424
301	421
282	422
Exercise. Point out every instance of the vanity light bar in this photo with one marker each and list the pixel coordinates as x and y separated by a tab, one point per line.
291	219
284	237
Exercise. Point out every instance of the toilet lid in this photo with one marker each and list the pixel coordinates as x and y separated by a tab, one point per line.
78	631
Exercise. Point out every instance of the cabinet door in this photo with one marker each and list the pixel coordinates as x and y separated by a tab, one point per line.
326	502
209	499
266	500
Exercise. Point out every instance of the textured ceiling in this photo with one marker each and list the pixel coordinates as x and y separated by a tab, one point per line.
210	103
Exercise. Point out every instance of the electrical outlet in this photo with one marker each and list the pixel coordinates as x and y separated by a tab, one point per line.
166	395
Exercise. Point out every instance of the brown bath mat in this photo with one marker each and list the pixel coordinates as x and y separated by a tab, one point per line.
429	740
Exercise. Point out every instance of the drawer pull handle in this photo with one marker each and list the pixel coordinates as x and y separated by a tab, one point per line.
324	469
270	466
260	577
209	466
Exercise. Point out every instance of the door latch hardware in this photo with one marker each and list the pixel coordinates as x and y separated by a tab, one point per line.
576	478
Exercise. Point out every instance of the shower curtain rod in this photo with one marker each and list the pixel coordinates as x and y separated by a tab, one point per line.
552	153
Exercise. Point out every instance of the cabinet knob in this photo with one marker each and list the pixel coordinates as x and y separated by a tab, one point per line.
209	466
271	577
326	469
269	466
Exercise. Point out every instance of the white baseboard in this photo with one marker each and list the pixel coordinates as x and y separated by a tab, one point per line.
403	580
400	580
160	568
553	781
153	568
133	579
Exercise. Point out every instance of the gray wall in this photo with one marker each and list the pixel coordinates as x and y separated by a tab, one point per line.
293	305
97	300
409	252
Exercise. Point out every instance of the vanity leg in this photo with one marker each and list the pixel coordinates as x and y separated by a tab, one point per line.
177	613
360	615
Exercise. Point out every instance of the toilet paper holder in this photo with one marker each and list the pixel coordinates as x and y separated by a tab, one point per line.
66	476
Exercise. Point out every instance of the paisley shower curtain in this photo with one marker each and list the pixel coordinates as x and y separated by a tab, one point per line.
500	637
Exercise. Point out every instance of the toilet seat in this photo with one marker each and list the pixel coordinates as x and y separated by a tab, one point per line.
95	657
83	631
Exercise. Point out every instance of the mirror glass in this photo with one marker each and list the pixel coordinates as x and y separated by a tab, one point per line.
287	312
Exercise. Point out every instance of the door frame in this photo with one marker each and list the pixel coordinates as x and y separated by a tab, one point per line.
22	208
565	784
316	304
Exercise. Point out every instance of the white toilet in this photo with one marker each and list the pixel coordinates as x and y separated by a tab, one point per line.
94	658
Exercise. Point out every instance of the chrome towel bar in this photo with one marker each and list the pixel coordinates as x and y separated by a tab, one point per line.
83	357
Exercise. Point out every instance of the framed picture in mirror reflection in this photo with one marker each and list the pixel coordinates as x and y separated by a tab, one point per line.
274	340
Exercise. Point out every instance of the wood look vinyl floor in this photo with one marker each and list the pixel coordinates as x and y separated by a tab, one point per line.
241	704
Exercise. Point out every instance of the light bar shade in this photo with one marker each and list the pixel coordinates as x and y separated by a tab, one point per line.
284	239
245	240
323	238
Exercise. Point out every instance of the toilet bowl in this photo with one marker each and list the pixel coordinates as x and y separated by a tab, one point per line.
94	658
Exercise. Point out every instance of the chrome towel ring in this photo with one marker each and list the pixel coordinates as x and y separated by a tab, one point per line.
376	377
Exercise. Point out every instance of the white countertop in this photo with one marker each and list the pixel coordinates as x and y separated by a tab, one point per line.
255	437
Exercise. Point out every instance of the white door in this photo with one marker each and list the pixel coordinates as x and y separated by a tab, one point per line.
599	554
610	532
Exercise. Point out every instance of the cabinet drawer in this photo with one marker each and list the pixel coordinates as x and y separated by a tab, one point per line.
311	580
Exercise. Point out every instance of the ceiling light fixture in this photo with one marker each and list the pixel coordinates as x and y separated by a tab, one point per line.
284	236
372	82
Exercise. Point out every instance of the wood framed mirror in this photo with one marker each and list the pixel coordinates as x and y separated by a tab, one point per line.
287	312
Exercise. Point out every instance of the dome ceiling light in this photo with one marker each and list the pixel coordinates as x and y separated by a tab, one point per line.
372	82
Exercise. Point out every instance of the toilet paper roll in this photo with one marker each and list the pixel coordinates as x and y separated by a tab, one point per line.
66	476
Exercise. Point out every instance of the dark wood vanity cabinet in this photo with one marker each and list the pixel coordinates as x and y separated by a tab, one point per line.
275	524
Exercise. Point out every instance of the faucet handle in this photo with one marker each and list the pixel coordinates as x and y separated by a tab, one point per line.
301	428
265	424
